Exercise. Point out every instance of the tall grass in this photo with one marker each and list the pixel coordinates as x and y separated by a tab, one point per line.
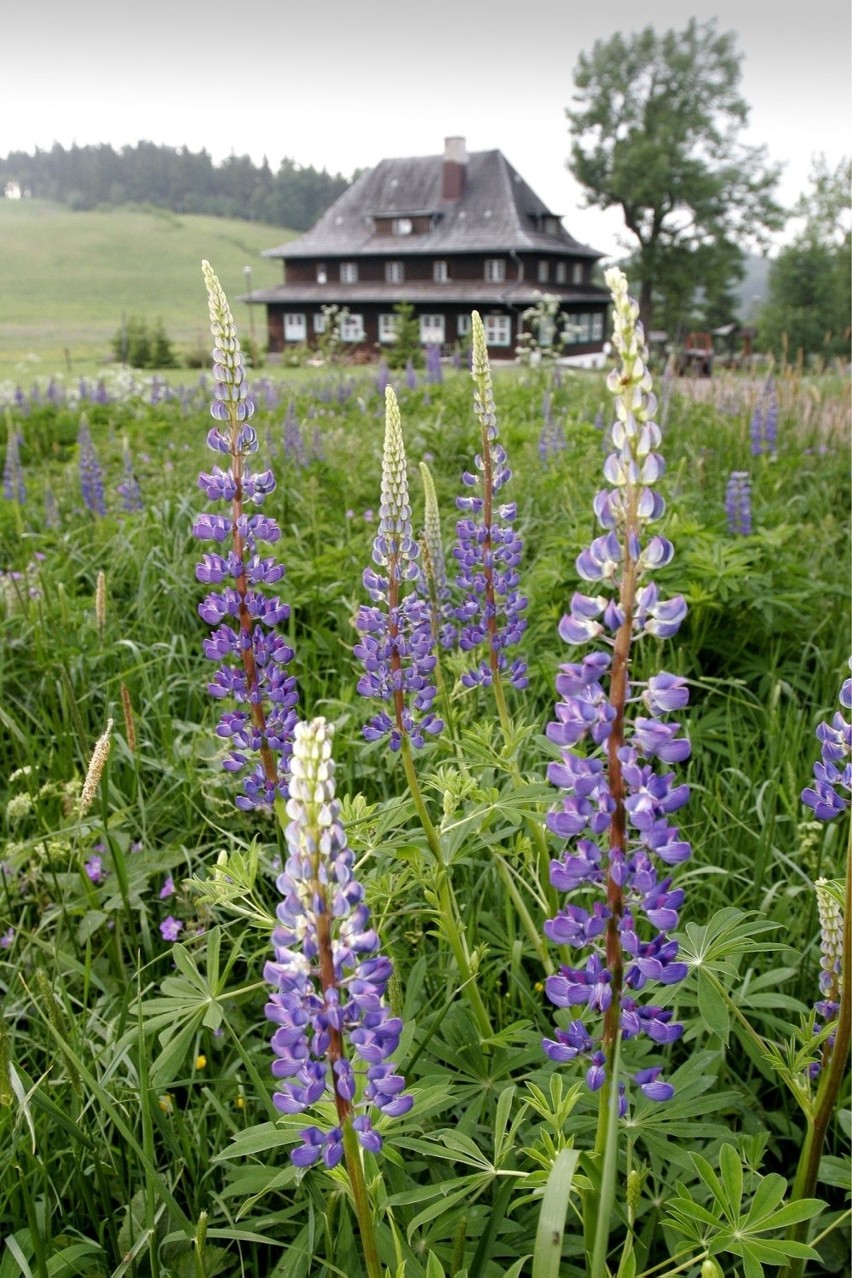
138	1134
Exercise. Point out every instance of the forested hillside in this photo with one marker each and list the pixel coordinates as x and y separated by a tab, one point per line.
175	178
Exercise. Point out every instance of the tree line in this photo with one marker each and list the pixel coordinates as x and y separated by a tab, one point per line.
87	177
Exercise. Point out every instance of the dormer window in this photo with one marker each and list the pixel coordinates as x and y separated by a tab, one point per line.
322	274
348	272
394	272
440	272
561	272
551	225
577	273
543	271
495	270
402	226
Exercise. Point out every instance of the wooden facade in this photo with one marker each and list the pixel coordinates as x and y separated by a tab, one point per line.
447	235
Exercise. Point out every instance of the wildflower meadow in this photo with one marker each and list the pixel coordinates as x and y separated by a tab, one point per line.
425	804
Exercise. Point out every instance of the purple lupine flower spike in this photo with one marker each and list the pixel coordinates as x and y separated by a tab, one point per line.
619	795
396	637
14	488
489	549
335	1032
91	473
254	657
829	794
129	490
738	503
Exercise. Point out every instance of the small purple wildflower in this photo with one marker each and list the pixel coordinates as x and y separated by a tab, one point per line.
168	888
488	550
255	658
171	928
7	940
833	773
94	868
335	1031
616	809
91	473
395	632
738	503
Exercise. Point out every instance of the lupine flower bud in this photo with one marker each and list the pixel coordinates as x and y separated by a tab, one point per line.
335	1031
615	815
254	656
435	585
396	637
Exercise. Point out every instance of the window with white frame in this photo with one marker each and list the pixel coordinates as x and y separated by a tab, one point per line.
561	273
498	330
352	328
495	270
322	273
319	322
440	272
295	328
348	272
402	226
388	331
394	272
577	273
463	325
585	322
543	271
431	329
597	327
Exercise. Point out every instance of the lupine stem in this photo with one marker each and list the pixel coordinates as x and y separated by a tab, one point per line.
352	1155
450	913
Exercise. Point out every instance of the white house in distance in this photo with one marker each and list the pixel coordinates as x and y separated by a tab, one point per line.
448	234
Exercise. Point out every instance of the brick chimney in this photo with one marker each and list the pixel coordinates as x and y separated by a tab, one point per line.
455	168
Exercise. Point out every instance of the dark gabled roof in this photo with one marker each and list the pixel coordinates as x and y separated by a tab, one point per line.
498	212
469	292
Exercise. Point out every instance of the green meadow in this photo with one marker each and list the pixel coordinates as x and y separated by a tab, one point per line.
69	277
138	1132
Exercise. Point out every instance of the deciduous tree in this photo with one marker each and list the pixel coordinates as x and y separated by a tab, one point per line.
656	131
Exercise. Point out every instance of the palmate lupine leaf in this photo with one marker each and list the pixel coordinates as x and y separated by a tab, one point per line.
728	1225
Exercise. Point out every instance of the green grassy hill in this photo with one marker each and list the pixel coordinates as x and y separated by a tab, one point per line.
67	277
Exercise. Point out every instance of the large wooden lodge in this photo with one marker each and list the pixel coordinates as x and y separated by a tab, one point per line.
448	234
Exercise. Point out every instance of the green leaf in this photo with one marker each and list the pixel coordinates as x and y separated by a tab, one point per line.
713	1009
732	1178
547	1256
166	1067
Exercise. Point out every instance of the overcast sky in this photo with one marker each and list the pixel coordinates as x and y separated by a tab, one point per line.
341	85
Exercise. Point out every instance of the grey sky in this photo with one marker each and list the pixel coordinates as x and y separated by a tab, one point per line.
340	85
